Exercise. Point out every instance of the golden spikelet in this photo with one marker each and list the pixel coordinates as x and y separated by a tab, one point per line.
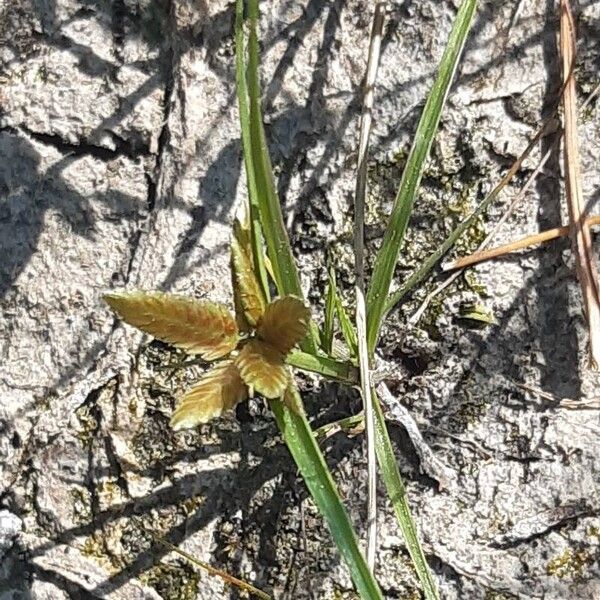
196	326
262	368
246	287
219	391
284	324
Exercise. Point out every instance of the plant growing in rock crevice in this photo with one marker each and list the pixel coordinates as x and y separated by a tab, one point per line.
256	341
259	340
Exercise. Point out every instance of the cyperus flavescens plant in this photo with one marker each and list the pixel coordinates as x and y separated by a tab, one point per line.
256	341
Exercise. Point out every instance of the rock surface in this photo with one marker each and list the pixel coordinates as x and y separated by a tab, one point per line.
121	167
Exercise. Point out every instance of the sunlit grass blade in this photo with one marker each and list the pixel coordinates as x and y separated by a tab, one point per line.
397	494
329	322
387	256
324	365
307	454
279	250
384	270
351	424
271	219
346	326
289	414
242	93
430	262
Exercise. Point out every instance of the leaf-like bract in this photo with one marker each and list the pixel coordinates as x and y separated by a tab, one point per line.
240	313
285	323
246	286
219	391
196	326
241	233
262	368
292	399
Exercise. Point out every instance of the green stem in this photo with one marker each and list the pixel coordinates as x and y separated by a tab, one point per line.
397	494
311	463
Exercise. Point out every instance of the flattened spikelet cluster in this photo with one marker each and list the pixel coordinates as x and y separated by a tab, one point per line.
210	330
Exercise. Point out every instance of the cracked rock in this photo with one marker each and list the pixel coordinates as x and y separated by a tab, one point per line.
121	167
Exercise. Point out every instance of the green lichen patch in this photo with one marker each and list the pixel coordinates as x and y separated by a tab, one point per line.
165	375
120	542
173	581
495	595
95	546
571	564
339	594
88	425
82	508
153	444
593	532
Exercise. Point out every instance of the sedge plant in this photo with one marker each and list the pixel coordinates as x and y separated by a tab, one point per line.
255	348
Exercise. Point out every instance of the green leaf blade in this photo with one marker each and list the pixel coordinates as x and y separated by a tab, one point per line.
347	327
279	250
397	494
387	257
244	110
314	470
329	323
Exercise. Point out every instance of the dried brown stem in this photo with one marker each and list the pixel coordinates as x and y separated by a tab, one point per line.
579	231
525	242
361	311
509	210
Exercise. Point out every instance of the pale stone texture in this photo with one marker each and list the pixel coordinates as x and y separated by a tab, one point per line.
120	166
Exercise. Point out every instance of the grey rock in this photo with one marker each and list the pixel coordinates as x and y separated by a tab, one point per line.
120	166
10	526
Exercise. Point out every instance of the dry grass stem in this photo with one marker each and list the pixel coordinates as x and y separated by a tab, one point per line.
361	313
580	231
230	579
525	242
568	403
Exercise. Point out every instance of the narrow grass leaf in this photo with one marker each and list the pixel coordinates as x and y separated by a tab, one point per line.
271	219
329	322
311	463
430	262
397	494
347	327
323	365
279	250
411	177
293	423
244	110
353	425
